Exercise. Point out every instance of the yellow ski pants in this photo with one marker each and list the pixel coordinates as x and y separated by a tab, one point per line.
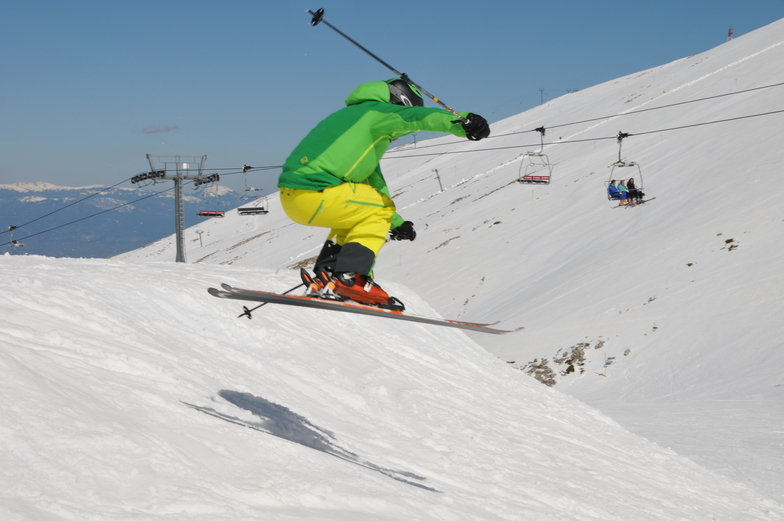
354	212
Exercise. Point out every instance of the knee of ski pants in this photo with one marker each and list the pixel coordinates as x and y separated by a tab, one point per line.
354	212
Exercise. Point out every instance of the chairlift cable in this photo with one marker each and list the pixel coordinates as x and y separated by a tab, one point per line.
673	104
241	170
619	114
16	227
709	123
572	141
640	111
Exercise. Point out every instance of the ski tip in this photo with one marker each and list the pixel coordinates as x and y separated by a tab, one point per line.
505	331
215	292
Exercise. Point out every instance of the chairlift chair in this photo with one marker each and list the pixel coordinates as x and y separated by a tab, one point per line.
256	210
252	210
533	163
214	178
258	193
211	213
616	172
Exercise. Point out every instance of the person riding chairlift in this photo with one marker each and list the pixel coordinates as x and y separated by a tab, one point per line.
634	193
616	193
624	192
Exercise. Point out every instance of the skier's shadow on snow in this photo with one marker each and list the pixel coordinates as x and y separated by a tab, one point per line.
282	422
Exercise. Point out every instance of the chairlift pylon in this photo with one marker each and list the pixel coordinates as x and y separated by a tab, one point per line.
534	162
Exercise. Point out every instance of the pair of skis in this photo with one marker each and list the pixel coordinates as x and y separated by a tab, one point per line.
346	306
634	204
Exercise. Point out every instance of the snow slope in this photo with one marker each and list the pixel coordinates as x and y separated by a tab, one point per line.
681	296
129	393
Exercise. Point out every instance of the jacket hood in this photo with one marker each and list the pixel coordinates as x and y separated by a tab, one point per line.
370	91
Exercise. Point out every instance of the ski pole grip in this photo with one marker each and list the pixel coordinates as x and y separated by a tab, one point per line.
317	16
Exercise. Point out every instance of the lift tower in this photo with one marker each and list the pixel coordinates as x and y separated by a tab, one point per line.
177	169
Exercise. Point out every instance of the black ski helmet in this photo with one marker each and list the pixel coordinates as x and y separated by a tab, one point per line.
403	93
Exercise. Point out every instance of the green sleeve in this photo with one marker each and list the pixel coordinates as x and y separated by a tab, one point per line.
414	119
396	221
400	121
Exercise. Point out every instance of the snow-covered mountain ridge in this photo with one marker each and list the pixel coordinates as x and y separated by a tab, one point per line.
39	186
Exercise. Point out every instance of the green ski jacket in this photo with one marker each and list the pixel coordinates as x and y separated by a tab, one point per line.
347	146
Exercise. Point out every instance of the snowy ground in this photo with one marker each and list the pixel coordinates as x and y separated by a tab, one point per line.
130	393
744	437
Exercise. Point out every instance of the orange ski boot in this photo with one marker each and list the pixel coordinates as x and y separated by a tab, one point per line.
362	289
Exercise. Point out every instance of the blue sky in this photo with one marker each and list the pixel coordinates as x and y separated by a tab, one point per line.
88	88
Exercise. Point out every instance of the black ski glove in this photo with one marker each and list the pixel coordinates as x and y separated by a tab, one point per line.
475	126
404	232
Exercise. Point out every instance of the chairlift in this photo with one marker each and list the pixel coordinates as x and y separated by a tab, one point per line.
534	163
252	210
617	173
211	213
261	209
214	178
257	193
14	243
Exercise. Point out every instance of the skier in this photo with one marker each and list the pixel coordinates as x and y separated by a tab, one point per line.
332	180
624	193
634	193
616	193
613	190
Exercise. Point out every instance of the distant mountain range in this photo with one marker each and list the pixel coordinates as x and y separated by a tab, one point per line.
98	221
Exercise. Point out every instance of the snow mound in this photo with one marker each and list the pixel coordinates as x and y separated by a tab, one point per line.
129	392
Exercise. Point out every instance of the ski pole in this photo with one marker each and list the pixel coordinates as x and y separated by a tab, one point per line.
318	17
247	312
